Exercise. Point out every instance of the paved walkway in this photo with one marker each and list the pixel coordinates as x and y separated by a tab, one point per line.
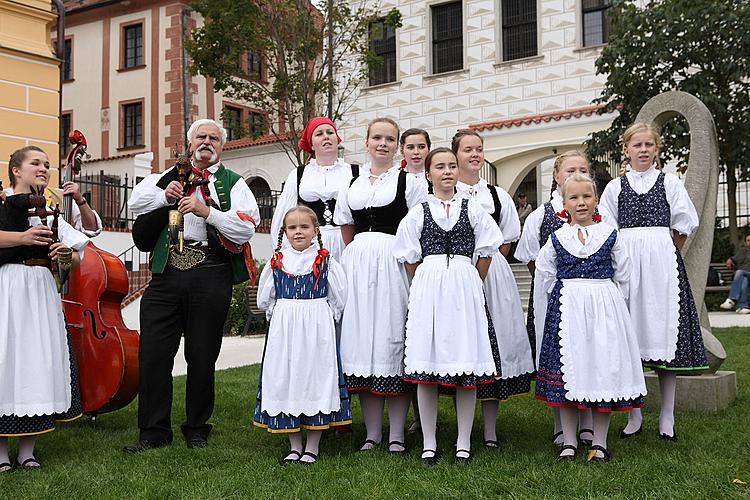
243	351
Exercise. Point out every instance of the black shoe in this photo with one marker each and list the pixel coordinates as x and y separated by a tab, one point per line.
625	435
587	442
30	464
492	444
287	460
667	437
308	454
143	445
431	460
463	460
397	452
374	444
196	441
554	439
567	458
592	454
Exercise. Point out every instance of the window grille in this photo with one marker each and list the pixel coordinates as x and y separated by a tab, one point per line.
447	37
596	22
519	25
383	45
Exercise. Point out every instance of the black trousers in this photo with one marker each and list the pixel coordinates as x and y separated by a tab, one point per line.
194	303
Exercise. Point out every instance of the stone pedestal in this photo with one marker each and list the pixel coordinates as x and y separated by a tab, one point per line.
702	393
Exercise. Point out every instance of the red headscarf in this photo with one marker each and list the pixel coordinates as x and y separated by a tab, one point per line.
305	142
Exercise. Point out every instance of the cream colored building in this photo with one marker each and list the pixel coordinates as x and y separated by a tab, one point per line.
520	72
29	80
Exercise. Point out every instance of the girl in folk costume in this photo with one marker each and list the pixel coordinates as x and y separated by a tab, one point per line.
655	215
35	360
540	224
301	384
501	291
589	352
318	183
374	321
415	144
447	340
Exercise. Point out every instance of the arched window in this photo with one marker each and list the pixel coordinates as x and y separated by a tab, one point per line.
266	202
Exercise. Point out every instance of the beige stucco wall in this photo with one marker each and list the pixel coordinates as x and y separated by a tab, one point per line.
29	78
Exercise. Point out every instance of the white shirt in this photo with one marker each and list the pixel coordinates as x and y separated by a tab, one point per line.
487	235
364	194
509	223
147	197
318	183
683	217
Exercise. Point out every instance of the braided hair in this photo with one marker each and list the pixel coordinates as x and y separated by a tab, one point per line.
637	128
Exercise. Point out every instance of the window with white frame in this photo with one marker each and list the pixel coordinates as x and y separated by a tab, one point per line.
518	29
447	37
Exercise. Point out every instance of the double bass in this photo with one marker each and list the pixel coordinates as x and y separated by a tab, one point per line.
105	349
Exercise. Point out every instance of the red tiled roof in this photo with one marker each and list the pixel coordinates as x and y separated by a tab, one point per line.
247	142
108	158
538	118
74	5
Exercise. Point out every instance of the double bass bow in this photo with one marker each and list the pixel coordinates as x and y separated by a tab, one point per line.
105	349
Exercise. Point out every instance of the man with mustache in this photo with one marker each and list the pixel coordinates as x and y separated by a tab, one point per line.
190	290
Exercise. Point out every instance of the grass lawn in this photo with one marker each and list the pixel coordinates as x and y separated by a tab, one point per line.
84	459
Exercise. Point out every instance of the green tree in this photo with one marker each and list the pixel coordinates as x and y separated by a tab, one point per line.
290	38
697	46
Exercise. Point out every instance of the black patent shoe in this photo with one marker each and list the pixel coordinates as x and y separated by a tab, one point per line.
625	435
667	437
429	461
592	458
587	442
463	460
143	445
567	458
290	458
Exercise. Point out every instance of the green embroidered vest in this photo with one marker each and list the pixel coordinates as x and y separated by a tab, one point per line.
224	180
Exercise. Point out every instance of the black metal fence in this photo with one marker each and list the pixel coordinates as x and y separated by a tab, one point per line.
488	172
743	203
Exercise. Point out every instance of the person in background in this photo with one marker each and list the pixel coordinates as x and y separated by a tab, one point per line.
738	294
524	207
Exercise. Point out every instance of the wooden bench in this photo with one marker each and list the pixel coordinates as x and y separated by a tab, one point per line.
726	276
253	312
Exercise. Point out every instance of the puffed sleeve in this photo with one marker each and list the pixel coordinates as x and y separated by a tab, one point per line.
622	266
684	218
76	212
407	247
342	214
487	235
544	277
336	288
287	200
608	203
266	291
415	191
69	236
510	224
147	196
528	245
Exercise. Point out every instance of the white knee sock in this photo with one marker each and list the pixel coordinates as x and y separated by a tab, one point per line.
465	404
635	421
601	429
312	445
428	409
489	416
398	408
569	423
586	421
667	387
4	456
372	413
295	444
559	440
26	448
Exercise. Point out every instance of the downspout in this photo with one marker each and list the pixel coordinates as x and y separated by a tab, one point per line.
60	49
185	76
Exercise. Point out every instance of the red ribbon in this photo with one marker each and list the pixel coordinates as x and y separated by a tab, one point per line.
318	265
563	214
403	164
596	218
276	260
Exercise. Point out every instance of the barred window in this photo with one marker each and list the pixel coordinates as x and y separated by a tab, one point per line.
596	22
133	47
383	45
132	124
65	123
447	37
232	118
519	27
